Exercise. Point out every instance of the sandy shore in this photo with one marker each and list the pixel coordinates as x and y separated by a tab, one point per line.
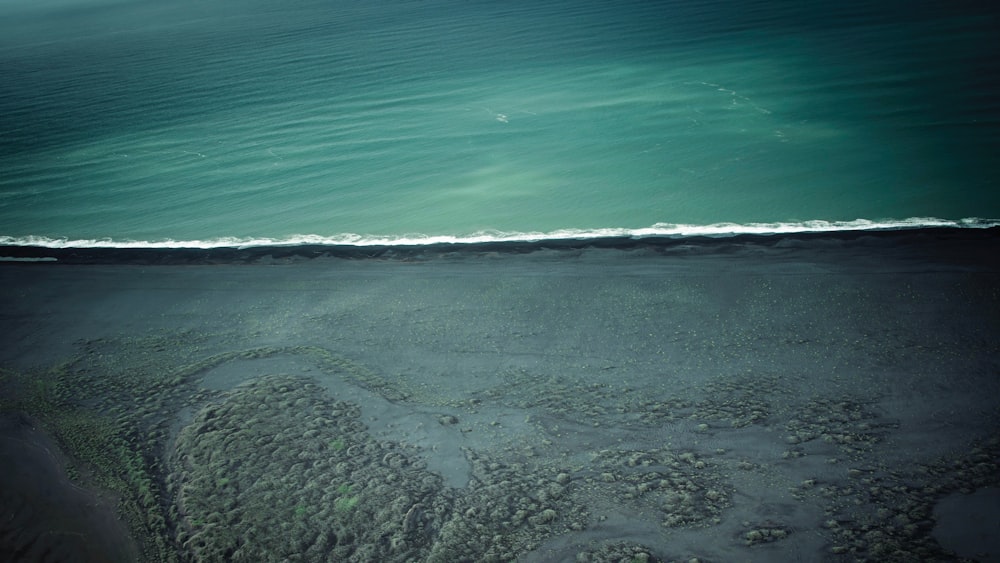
757	399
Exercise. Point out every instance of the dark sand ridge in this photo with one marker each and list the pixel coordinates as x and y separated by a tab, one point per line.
754	399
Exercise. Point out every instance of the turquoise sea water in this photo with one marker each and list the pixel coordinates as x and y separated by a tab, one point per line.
334	120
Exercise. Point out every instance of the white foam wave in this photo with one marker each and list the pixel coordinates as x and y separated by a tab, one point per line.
670	230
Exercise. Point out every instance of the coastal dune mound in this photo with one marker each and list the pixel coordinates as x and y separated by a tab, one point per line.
256	475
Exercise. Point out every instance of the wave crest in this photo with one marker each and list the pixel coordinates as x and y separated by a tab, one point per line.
669	230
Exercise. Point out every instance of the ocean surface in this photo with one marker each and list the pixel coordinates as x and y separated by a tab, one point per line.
141	122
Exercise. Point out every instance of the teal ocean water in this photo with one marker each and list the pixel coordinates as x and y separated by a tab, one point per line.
148	122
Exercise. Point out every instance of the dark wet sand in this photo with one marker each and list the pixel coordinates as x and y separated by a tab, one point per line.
755	399
46	517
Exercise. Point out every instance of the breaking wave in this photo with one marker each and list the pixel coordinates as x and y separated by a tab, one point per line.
663	230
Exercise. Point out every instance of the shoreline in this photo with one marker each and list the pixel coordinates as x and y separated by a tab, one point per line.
698	244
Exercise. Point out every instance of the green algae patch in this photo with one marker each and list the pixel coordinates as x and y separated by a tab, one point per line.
346	504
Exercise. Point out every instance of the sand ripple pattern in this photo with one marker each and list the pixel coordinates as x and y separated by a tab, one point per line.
280	470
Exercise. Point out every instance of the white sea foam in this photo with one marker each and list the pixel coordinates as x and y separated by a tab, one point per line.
668	230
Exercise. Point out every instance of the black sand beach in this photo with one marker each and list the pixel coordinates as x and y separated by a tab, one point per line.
825	397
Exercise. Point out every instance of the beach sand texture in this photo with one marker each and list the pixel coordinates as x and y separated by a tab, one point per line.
796	398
